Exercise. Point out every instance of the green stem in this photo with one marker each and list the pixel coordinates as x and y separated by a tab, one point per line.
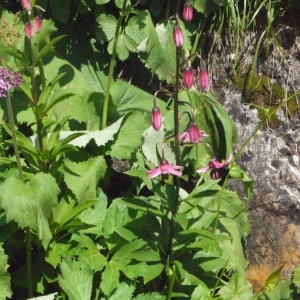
28	263
171	285
14	137
39	122
111	70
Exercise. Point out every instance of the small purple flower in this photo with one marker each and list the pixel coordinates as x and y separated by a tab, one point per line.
156	118
203	79
26	4
177	36
192	134
188	77
29	30
9	80
187	11
164	169
215	166
37	23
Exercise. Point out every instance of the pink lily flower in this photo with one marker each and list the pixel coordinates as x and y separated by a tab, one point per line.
164	169
215	166
192	134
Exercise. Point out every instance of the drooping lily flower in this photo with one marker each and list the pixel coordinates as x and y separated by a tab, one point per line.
177	36
26	4
203	80
164	169
215	166
188	77
187	11
192	134
156	118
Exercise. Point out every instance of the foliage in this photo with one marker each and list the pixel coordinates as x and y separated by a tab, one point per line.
74	191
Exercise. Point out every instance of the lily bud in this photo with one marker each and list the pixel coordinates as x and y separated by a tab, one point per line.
29	30
156	118
203	79
177	36
37	23
188	77
187	11
26	4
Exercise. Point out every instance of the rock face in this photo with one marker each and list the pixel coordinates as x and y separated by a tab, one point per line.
272	160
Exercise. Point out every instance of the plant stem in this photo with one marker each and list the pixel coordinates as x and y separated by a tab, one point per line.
172	281
39	122
14	137
111	69
28	263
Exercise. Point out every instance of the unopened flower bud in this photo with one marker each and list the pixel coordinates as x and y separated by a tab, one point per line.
26	4
177	36
187	11
29	30
37	23
156	118
203	79
188	77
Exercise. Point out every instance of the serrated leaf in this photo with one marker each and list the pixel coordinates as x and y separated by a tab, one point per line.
55	252
123	292
150	296
108	24
236	289
5	291
110	278
153	141
83	179
76	279
201	292
272	279
30	204
129	136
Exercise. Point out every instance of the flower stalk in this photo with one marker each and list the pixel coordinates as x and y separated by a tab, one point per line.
111	70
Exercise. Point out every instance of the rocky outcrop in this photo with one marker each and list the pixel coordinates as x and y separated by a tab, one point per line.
271	159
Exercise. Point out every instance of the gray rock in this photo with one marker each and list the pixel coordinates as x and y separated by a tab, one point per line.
272	160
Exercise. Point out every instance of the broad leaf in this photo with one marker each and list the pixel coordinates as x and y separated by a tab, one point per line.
76	279
129	136
30	204
82	177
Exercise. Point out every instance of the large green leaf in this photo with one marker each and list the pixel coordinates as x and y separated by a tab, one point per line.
129	137
30	204
82	177
123	292
76	279
5	291
81	106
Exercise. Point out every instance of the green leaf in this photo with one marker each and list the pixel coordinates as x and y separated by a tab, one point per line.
123	292
153	141
153	271
127	97
272	280
237	289
60	12
49	47
30	204
150	296
201	292
110	278
108	25
76	279
82	177
296	276
5	291
140	204
55	252
129	136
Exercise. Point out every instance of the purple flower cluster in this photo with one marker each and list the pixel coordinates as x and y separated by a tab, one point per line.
9	80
